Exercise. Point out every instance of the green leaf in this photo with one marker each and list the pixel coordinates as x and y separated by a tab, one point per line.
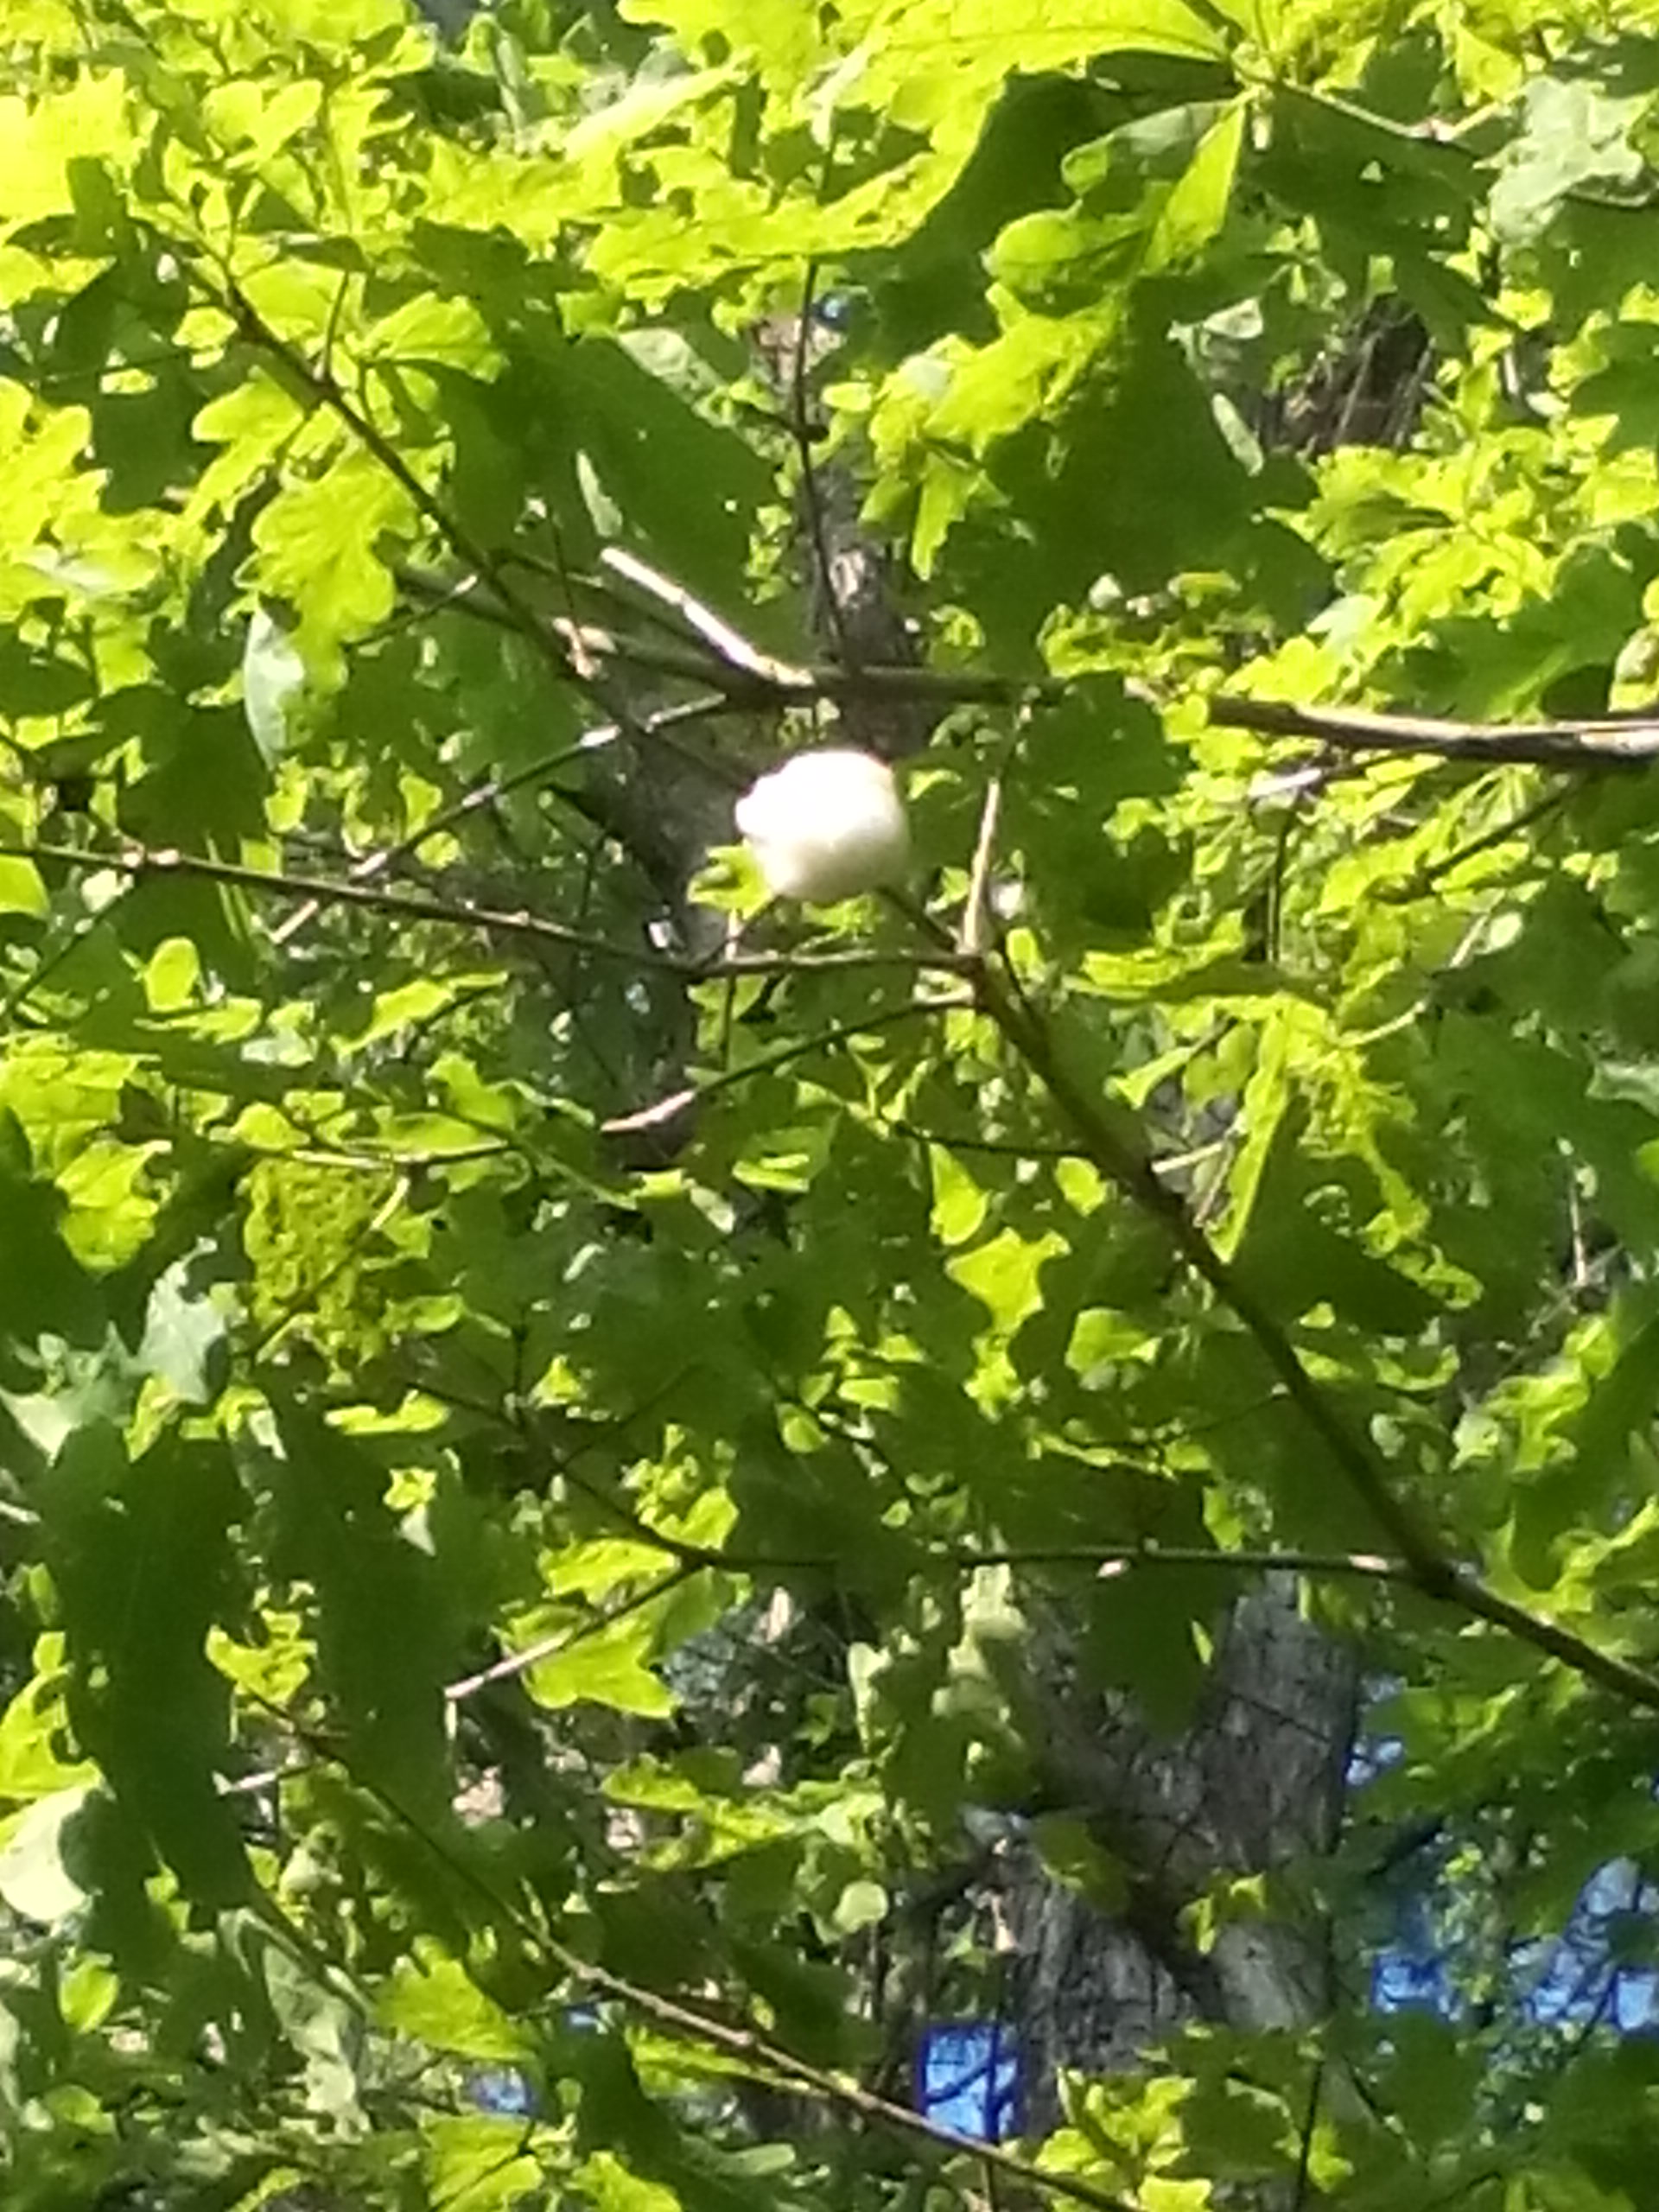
959	1202
1002	1275
33	683
434	2001
32	1743
610	1667
22	891
861	1904
273	677
606	2182
320	544
477	2157
1192	215
1573	134
41	1286
34	1880
387	1637
140	1557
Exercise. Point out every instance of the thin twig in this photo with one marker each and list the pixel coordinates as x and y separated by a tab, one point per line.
974	912
331	328
49	962
493	789
1107	1561
998	1147
811	498
140	860
1310	2120
557	571
677	1102
1112	1560
591	644
553	1647
1427	877
1166	1163
773	682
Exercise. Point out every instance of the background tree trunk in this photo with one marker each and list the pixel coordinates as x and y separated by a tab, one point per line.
1255	1787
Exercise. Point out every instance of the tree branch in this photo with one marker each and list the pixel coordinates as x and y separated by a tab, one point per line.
745	678
1591	746
1424	880
386	857
722	638
554	1647
1425	1564
665	1110
140	860
833	2089
1587	745
594	643
757	2051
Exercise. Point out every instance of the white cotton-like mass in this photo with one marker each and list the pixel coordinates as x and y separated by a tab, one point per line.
827	825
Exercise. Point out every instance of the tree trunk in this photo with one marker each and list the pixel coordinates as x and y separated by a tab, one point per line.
1253	1787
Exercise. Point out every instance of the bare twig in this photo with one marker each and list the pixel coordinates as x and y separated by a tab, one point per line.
75	937
1529	817
812	498
999	1147
1310	2120
769	682
665	1110
494	788
140	860
729	643
974	913
589	643
1112	1560
1164	1163
1608	743
552	1647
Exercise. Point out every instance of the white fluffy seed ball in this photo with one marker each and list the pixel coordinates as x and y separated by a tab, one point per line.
827	825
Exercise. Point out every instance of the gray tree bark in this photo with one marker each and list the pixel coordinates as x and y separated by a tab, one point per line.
1255	1787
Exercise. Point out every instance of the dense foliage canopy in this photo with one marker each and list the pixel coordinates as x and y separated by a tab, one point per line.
560	1421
